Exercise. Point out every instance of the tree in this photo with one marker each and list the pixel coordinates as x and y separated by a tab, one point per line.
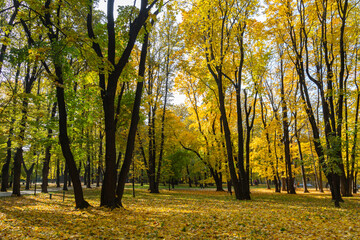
108	83
8	29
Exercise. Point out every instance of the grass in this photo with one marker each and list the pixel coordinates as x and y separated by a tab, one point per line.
181	214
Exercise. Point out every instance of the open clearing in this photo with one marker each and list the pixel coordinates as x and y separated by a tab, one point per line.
181	214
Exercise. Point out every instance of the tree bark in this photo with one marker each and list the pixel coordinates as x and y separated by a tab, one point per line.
29	80
133	125
108	91
65	143
6	166
286	138
98	176
28	175
46	164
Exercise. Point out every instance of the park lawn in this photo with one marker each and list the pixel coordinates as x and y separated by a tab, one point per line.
181	214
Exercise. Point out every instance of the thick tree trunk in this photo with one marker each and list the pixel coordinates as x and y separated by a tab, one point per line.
108	197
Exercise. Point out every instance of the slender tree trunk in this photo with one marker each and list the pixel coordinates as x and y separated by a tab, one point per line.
133	125
65	143
18	158
98	178
289	177
28	173
188	175
65	184
297	135
152	152
249	126
88	167
46	164
317	180
240	154
238	188
217	178
6	166
353	149
267	183
58	173
163	124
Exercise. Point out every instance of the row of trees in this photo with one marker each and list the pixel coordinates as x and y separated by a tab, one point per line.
275	95
283	90
75	56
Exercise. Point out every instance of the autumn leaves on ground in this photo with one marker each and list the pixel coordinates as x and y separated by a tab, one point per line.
181	214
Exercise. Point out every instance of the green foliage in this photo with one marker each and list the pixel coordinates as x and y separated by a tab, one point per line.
179	160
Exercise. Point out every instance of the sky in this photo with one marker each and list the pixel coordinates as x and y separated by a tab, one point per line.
177	97
103	4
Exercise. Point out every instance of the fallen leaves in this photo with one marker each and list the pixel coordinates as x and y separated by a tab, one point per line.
182	214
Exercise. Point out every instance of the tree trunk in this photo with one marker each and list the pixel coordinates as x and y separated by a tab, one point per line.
188	175
46	164
286	139
284	184
297	135
218	179
108	91
130	145
88	166
28	174
65	143
65	184
58	173
98	176
88	175
268	183
6	166
18	158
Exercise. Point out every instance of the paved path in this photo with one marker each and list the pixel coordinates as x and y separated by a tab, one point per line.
29	192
